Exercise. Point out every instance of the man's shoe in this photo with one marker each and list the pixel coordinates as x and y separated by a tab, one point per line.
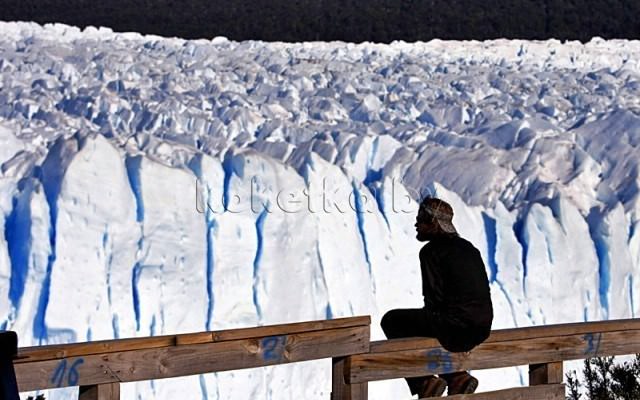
432	387
462	384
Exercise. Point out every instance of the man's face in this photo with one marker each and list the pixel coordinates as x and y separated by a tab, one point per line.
426	228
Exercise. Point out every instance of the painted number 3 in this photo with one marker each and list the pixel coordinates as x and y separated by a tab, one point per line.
72	375
438	358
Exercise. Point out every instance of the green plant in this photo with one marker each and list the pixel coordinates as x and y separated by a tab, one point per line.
605	380
573	386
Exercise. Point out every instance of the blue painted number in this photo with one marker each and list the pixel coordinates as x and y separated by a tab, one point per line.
74	375
273	347
61	370
593	343
58	374
438	358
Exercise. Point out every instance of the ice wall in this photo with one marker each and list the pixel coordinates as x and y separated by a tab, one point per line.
157	186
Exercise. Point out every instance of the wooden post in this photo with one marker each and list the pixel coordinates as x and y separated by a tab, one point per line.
542	374
340	389
8	350
107	391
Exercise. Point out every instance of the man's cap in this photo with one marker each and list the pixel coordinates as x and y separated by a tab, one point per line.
441	211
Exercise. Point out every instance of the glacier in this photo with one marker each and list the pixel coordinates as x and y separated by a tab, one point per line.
157	185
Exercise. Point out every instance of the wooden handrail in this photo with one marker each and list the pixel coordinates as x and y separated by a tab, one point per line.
99	367
543	348
52	352
530	332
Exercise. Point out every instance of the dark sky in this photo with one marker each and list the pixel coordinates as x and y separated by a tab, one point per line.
354	21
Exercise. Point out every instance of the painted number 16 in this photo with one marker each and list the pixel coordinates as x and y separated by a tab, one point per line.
72	376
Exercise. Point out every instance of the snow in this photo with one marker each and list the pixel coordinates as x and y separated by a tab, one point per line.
158	186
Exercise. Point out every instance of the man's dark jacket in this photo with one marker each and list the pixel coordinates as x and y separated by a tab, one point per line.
456	292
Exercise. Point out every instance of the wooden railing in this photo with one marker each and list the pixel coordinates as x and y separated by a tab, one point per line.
99	367
543	348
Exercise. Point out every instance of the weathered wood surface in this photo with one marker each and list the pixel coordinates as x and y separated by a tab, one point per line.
493	354
274	330
340	389
540	374
191	359
53	352
516	334
109	391
540	392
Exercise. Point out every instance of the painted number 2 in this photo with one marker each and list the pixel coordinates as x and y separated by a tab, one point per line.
273	347
72	374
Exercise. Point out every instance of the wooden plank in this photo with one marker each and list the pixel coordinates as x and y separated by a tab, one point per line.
53	352
410	343
516	334
194	338
540	374
108	391
167	362
341	390
275	330
400	364
546	392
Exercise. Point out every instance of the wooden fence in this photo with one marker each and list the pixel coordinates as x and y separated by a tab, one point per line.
543	348
99	367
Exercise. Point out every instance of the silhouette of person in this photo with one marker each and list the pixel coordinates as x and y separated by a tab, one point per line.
8	350
457	302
